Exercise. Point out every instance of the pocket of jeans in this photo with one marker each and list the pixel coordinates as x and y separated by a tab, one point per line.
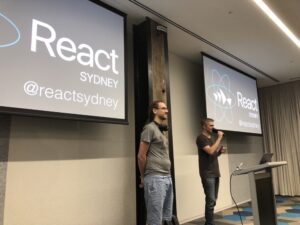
150	184
152	187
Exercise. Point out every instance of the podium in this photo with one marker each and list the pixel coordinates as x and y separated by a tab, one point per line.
262	192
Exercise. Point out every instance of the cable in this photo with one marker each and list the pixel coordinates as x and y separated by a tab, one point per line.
233	198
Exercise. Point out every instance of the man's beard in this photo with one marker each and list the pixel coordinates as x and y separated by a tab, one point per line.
163	117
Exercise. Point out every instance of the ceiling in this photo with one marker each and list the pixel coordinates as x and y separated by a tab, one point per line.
236	32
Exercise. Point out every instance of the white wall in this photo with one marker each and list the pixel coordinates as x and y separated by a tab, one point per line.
187	109
68	173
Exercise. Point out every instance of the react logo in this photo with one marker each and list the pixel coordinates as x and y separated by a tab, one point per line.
220	95
12	30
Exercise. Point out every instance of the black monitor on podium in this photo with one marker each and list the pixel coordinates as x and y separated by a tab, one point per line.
267	157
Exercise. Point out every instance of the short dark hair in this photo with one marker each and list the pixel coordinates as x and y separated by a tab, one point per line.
154	105
204	121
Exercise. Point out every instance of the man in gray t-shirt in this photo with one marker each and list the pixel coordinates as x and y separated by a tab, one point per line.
154	165
158	161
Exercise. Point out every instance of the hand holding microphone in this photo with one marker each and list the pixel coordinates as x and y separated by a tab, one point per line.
218	132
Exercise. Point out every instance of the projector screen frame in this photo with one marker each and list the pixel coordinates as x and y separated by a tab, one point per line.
82	117
203	54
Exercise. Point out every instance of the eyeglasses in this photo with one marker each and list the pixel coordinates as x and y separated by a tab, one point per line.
163	108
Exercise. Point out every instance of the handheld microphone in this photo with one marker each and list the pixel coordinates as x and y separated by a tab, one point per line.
214	130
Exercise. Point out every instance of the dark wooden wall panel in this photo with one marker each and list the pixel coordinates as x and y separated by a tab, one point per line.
151	83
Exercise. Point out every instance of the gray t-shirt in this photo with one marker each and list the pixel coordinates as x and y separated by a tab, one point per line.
158	160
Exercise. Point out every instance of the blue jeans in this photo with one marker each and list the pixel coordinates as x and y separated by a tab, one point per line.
211	189
158	191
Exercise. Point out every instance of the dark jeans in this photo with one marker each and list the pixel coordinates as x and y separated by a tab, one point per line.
211	189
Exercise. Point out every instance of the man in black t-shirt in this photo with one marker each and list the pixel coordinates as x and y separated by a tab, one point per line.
208	151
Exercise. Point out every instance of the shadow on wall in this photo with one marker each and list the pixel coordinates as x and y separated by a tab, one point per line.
241	143
36	139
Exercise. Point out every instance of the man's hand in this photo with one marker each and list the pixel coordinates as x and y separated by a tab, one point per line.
220	134
141	185
222	149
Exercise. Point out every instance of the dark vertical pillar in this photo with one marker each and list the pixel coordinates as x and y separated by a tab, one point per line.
5	121
151	83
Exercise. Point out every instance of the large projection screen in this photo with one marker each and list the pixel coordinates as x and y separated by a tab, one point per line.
231	97
64	59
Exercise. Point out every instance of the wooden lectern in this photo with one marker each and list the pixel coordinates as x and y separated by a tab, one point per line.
262	192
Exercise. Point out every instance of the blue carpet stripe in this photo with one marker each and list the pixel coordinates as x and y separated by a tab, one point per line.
296	206
290	215
248	209
233	217
282	223
243	213
293	211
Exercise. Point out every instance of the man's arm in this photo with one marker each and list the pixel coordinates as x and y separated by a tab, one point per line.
142	157
212	149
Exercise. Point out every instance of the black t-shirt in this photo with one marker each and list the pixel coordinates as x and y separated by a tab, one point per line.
208	164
